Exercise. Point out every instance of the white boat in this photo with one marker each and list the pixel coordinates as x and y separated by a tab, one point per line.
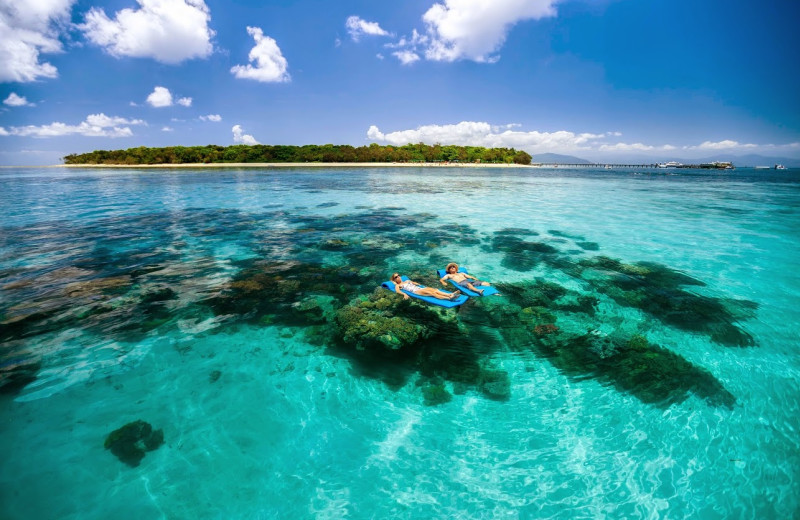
671	164
780	167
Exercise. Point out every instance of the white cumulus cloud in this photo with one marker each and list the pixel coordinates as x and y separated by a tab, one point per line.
15	100
593	146
211	117
28	29
476	29
465	132
358	27
95	125
168	31
474	133
725	144
240	137
469	29
413	42
162	97
270	65
634	147
406	57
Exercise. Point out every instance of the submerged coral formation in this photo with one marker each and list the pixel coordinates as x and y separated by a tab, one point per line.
435	393
131	442
320	273
18	366
362	325
629	363
660	292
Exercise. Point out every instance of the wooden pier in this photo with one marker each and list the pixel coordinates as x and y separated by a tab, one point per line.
593	165
611	166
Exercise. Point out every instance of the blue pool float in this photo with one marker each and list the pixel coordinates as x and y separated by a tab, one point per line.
487	291
390	286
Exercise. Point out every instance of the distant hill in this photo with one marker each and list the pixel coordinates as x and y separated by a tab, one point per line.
555	158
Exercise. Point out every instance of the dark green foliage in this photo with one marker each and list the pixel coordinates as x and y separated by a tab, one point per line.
301	154
131	442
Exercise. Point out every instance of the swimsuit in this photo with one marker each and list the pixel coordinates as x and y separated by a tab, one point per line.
475	283
410	286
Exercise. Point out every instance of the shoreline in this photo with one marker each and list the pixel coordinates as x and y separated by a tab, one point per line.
297	165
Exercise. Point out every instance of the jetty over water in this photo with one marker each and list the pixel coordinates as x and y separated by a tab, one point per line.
593	165
609	166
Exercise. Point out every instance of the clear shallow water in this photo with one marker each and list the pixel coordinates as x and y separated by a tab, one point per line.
212	304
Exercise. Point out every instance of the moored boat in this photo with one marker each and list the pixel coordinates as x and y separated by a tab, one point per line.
671	164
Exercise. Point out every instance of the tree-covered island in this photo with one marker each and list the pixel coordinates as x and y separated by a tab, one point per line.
327	153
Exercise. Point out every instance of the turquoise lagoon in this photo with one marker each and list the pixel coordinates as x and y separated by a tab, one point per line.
642	361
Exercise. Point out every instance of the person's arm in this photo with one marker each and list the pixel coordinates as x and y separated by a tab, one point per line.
444	279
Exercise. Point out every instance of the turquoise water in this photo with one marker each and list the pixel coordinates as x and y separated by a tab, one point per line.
641	362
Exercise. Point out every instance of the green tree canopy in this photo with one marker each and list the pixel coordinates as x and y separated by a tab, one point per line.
261	153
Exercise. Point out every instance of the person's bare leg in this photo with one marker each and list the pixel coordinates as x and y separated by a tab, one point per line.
452	296
436	293
473	288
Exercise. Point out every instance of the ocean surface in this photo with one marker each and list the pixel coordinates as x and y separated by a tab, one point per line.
214	344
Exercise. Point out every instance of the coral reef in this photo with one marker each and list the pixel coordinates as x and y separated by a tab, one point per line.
494	384
630	364
388	321
659	291
131	442
363	326
521	255
319	273
18	366
435	393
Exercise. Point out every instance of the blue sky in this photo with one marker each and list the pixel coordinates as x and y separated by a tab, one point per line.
606	80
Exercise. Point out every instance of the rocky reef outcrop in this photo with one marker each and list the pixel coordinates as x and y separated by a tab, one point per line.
131	442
